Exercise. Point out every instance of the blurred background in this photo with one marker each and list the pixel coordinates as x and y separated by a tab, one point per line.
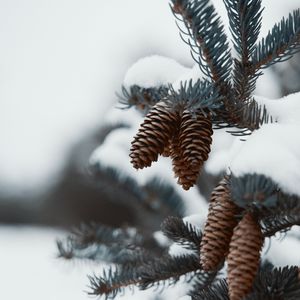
61	63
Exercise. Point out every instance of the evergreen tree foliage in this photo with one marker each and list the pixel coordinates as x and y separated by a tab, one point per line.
244	210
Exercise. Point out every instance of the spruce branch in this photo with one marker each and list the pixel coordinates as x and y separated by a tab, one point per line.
141	98
103	235
217	291
113	245
208	36
115	253
182	233
245	23
253	190
281	217
163	198
155	196
246	116
280	44
253	116
110	180
168	270
277	283
195	96
275	210
93	233
112	282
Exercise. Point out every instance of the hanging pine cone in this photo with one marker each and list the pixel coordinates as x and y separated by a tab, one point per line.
195	137
243	258
153	135
187	176
219	227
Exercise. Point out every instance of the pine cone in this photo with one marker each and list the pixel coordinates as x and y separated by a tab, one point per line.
167	149
153	135
186	175
243	258
195	138
219	227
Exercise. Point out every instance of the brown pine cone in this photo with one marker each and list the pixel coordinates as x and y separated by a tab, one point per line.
167	150
153	135
195	137
219	227
187	176
243	258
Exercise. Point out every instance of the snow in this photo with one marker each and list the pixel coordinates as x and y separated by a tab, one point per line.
185	298
193	74
284	110
272	150
197	220
153	71
61	63
161	238
30	269
275	249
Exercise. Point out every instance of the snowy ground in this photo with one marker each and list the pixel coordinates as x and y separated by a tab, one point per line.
31	271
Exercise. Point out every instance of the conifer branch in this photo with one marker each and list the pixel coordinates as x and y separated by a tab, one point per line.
245	23
203	279
206	31
163	198
113	245
141	98
195	96
155	196
278	283
217	291
275	210
253	190
112	282
168	270
245	116
182	233
87	234
280	44
281	217
118	254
